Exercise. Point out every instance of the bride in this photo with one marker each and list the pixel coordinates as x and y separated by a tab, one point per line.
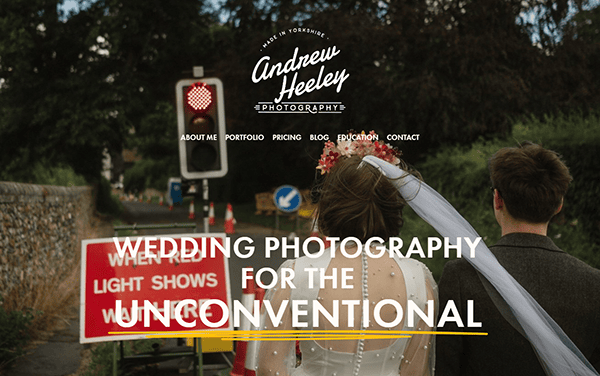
356	202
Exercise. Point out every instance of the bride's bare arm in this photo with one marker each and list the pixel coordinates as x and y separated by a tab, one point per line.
419	356
277	358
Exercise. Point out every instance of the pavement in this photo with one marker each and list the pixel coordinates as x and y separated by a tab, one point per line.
61	355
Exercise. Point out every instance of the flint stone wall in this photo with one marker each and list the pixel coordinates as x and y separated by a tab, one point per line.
41	228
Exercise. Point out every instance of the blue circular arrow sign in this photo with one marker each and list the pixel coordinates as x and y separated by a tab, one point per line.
287	198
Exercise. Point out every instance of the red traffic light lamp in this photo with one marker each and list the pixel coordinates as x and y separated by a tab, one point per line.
199	97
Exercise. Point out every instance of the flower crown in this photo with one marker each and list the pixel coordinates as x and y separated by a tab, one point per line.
357	144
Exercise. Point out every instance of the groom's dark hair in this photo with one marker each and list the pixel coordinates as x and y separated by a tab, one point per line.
531	180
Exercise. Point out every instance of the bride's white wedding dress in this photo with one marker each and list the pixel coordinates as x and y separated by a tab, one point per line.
383	278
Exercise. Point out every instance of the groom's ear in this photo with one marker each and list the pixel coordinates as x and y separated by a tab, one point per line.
559	206
498	201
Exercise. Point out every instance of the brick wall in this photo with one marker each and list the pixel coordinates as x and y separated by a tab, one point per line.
41	228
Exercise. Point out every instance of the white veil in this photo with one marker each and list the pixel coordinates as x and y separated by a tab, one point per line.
558	355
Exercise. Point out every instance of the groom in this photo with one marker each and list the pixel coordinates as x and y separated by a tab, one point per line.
529	184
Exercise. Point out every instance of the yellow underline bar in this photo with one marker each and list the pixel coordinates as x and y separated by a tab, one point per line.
308	335
313	337
264	334
325	338
290	338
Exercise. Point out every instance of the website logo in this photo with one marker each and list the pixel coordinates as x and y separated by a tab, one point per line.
304	72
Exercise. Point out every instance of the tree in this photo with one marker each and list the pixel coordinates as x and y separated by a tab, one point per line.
56	107
73	87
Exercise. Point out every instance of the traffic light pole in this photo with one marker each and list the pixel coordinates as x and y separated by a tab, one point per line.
205	207
205	220
202	148
206	204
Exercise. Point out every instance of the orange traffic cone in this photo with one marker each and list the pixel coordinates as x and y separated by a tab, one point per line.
252	350
239	364
160	200
229	220
192	214
211	214
170	207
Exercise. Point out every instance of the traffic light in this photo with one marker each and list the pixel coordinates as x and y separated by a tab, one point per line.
201	128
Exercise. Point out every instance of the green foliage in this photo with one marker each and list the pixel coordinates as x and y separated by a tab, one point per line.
574	239
103	355
560	129
55	103
156	142
460	174
102	358
156	137
74	86
149	173
65	176
14	334
106	202
585	25
41	173
62	176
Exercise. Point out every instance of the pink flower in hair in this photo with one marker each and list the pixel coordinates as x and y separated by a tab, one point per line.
357	144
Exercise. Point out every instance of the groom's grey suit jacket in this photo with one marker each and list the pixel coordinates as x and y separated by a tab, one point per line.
567	288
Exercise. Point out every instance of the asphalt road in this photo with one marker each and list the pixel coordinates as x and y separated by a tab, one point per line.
61	354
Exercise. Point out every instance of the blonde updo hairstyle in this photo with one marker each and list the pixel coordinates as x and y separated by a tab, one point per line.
359	202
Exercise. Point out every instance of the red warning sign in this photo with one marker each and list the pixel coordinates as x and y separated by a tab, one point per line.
160	284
